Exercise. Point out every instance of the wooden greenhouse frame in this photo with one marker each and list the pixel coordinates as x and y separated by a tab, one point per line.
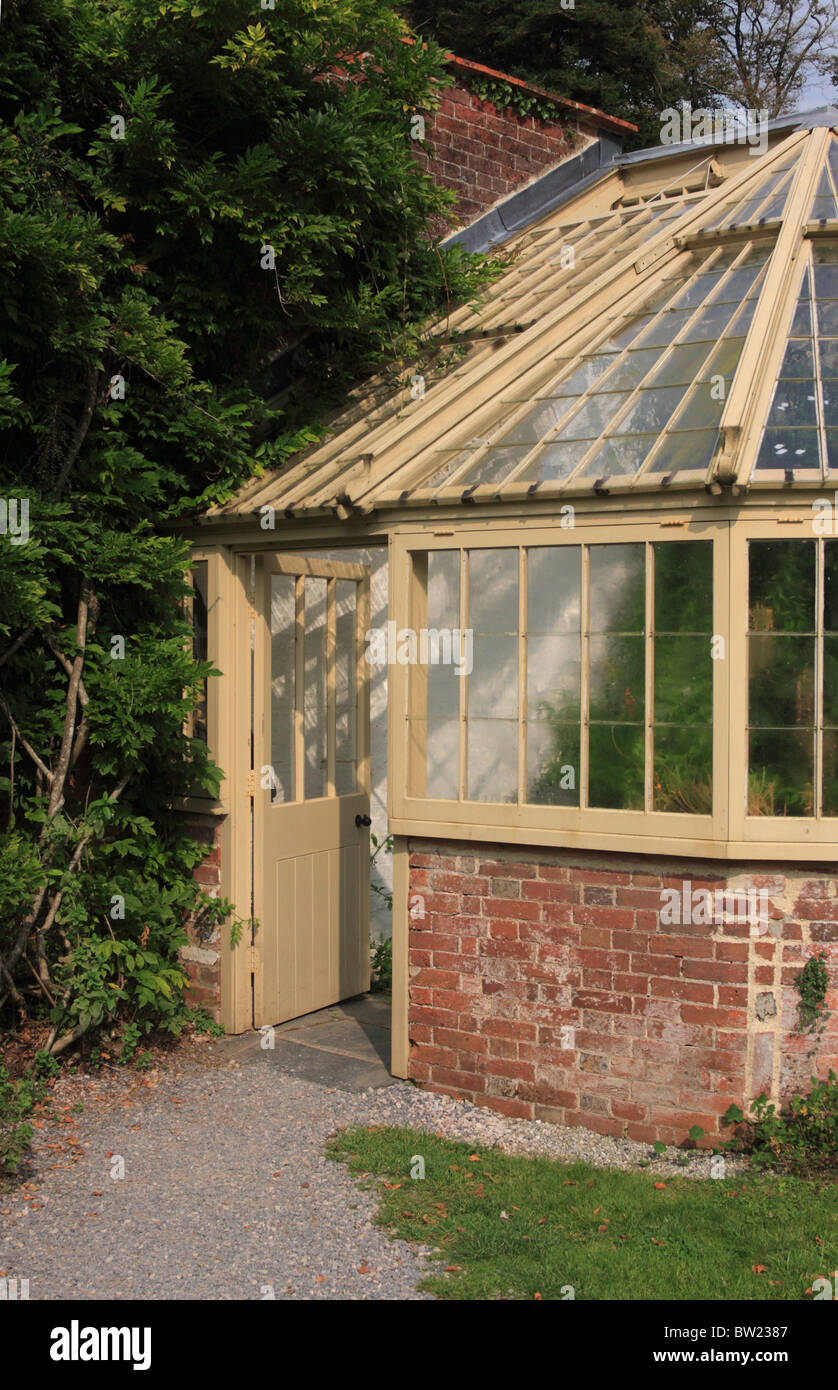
416	472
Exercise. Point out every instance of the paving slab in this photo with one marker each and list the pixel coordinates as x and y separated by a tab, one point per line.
345	1046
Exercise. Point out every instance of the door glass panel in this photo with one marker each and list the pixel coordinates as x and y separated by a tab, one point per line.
314	697
282	686
345	688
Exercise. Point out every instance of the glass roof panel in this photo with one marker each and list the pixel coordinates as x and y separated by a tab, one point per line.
804	405
661	381
689	451
824	205
758	200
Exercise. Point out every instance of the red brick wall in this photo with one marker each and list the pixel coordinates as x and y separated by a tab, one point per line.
670	1024
201	958
485	154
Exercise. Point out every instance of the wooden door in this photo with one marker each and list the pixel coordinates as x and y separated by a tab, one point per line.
311	785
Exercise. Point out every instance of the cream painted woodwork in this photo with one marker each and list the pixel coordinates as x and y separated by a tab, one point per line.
310	842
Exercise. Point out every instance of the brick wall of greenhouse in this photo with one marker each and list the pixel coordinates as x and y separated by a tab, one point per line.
484	153
545	984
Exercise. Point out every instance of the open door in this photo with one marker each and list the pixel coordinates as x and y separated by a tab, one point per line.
311	785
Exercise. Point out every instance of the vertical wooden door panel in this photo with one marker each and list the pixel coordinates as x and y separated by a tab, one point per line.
311	859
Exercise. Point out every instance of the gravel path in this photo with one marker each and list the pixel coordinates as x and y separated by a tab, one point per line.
226	1189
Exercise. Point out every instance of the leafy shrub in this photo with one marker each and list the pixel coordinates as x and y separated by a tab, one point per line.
382	966
802	1136
18	1097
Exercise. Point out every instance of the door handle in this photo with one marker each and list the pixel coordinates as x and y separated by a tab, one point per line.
362	820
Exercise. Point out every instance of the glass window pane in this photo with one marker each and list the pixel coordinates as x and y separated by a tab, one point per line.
346	592
493	685
283	608
631	371
687	451
789	449
617	678
314	690
794	404
618	588
493	590
830	772
443	758
493	760
553	677
683	681
684	586
555	462
443	683
200	641
620	456
651	411
553	764
683	771
830	605
616	763
781	586
781	679
781	772
682	366
554	589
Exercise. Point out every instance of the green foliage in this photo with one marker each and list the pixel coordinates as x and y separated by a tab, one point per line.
18	1097
629	58
800	1137
524	103
384	846
382	966
255	233
812	983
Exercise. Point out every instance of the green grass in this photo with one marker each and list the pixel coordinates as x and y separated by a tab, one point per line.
606	1234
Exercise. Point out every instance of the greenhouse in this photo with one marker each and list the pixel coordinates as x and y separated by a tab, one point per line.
594	527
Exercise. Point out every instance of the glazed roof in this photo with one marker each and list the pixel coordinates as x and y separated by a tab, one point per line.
673	323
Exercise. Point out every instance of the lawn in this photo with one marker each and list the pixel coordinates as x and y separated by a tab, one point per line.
506	1226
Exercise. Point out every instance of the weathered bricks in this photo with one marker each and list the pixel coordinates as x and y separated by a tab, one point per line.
544	985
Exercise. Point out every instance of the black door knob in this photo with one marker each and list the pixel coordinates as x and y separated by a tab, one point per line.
362	820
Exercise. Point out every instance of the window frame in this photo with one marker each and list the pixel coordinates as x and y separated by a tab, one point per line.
218	705
783	832
538	824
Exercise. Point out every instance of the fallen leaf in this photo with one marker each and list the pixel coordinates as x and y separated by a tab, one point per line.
537	1297
321	1279
597	1210
603	1229
660	1186
474	1158
364	1269
757	1269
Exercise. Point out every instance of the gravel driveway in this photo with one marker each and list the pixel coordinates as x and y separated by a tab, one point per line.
226	1193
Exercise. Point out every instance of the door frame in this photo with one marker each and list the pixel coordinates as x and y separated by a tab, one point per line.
292	562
